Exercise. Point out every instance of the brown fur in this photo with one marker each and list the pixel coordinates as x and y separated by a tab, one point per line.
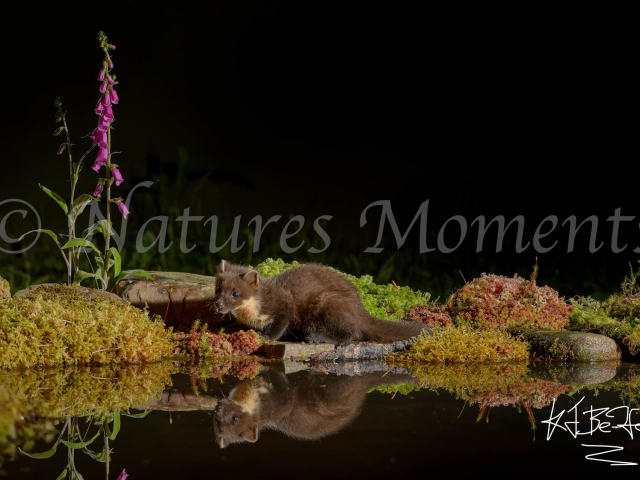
304	406
310	299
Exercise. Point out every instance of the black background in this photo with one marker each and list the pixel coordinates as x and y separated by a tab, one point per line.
320	108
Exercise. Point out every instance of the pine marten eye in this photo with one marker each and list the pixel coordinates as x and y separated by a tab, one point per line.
218	289
234	418
235	294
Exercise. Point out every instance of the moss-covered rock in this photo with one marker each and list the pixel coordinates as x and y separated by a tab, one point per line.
494	302
58	324
575	346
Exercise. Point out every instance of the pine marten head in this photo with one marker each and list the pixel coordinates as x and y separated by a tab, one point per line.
233	423
236	287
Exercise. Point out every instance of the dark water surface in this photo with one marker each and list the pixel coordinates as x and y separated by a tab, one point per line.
311	424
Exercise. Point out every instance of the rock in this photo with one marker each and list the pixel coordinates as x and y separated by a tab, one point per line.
179	298
88	292
287	367
575	346
356	368
361	350
576	373
294	351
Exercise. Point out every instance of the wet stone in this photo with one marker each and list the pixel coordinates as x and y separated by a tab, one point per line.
574	346
294	351
356	368
576	373
360	351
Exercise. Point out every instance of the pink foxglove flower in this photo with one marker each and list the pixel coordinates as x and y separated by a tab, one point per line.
100	139
106	99
108	110
98	190
114	96
104	124
117	176
110	80
99	107
125	212
112	47
110	64
101	75
103	87
98	164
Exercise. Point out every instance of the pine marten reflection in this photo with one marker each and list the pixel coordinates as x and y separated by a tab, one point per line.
304	406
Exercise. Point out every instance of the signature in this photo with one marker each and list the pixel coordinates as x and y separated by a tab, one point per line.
597	420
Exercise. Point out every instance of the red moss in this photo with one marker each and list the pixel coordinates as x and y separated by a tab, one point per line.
431	315
494	302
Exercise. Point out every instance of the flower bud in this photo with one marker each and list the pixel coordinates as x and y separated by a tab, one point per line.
103	87
117	176
112	47
61	149
106	98
57	132
101	75
114	96
98	190
123	209
110	80
110	64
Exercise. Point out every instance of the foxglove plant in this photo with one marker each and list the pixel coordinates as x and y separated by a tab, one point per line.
110	260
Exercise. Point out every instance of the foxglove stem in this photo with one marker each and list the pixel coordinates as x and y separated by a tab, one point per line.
108	236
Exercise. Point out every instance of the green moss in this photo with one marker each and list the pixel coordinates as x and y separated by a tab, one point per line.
464	345
401	388
388	302
58	324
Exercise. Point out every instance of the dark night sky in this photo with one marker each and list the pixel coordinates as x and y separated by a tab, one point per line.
326	107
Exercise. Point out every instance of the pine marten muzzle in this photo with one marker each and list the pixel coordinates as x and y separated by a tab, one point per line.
310	300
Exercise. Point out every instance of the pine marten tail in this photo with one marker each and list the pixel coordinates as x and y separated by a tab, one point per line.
385	331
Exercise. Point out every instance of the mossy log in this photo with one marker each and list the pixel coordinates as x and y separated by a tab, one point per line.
179	298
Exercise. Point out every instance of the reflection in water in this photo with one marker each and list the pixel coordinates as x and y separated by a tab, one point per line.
79	410
305	406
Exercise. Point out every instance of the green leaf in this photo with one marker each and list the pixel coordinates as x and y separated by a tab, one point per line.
80	242
100	226
47	454
100	457
76	476
117	261
48	232
142	273
116	426
57	198
63	475
82	275
138	415
77	167
80	203
81	444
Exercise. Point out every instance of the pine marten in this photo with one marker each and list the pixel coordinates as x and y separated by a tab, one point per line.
310	299
304	406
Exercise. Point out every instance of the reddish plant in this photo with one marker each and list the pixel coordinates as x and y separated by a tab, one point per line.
200	343
431	315
494	302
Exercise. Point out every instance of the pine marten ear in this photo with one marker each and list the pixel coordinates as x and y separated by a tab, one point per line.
252	278
250	433
223	266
